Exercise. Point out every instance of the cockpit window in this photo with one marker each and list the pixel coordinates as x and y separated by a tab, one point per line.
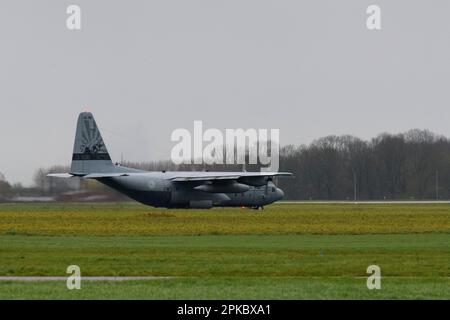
273	189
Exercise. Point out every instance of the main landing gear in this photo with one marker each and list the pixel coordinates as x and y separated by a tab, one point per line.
253	207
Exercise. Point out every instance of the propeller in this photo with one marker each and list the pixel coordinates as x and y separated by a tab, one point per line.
267	185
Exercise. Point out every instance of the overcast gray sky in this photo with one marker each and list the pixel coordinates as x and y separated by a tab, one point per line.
144	68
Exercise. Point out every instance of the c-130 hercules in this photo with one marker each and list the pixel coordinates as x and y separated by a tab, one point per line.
169	189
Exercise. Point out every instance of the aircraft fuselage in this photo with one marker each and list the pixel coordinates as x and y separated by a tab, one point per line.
153	189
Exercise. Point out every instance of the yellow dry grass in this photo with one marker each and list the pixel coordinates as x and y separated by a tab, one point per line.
134	219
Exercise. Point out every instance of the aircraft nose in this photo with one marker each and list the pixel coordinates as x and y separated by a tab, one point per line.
280	194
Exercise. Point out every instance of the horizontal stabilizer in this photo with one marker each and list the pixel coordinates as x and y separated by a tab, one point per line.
87	176
60	175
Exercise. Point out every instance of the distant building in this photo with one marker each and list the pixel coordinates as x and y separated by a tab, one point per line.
2	177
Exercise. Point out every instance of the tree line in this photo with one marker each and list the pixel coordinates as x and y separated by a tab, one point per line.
405	166
411	165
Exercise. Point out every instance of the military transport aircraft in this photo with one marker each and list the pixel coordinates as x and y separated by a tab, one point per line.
175	189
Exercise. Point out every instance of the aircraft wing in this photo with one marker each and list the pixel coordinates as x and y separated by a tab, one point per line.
252	178
214	176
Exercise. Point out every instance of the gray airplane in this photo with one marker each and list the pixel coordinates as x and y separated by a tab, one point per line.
174	189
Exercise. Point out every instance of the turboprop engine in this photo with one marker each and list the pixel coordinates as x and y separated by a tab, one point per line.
234	187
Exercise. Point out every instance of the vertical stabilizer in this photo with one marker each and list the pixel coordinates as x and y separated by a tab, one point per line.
89	151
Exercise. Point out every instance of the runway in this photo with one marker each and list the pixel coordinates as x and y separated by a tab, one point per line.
97	278
150	278
367	202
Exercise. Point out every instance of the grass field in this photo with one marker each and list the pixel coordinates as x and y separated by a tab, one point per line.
288	251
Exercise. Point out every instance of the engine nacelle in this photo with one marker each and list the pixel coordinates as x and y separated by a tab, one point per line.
223	188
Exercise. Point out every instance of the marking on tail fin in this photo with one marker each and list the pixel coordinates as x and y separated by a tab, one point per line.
91	156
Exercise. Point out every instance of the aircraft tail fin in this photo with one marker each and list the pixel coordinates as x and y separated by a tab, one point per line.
89	151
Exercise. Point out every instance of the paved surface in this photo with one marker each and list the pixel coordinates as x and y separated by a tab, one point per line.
100	278
368	202
106	278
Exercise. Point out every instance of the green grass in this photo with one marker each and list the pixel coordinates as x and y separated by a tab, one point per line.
295	251
233	288
424	255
